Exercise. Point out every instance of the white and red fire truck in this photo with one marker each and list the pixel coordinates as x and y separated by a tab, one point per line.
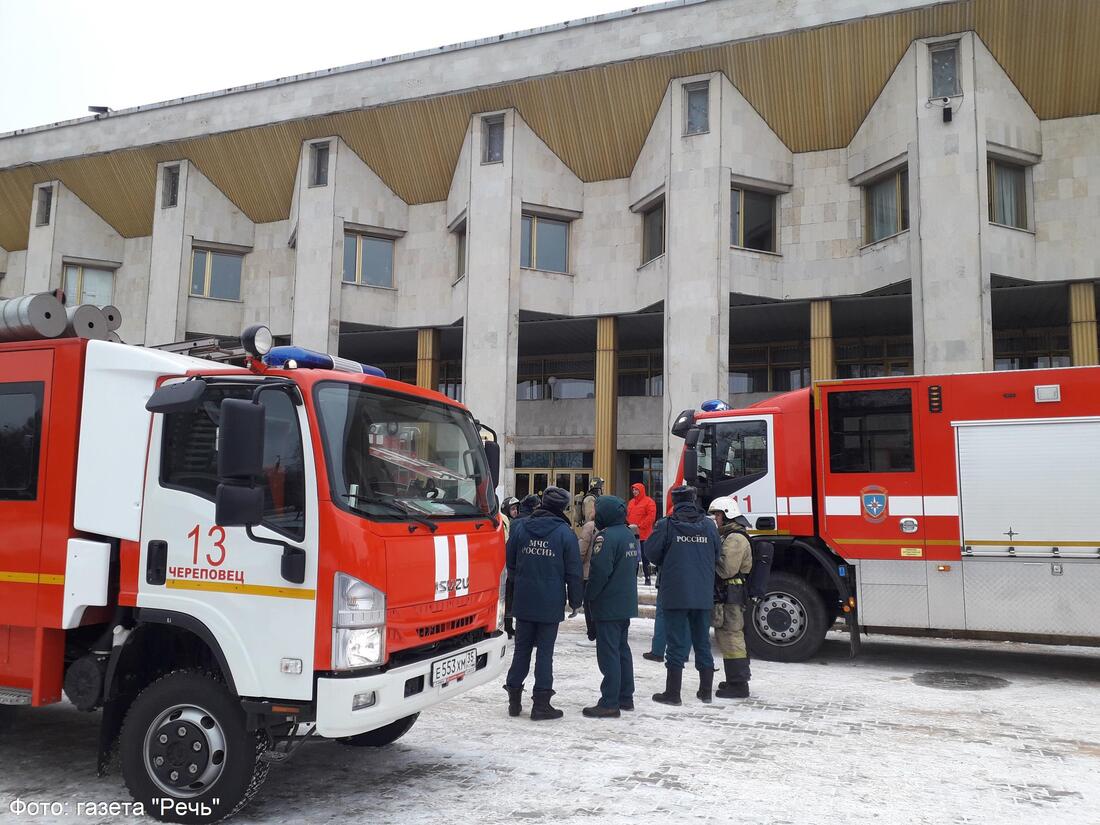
229	560
941	505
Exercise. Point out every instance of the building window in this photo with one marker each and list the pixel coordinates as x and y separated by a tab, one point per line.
20	436
492	139
697	108
450	379
1007	194
752	220
653	231
769	368
556	378
170	186
318	164
873	357
641	374
216	274
544	244
460	245
886	206
871	431
1030	349
189	456
945	69
542	459
368	260
87	285
45	206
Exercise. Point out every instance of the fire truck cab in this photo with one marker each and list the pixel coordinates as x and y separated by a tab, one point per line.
937	505
227	561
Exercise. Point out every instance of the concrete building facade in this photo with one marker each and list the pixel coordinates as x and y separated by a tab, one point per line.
582	230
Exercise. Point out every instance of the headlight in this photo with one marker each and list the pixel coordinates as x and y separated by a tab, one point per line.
357	604
357	647
501	596
358	623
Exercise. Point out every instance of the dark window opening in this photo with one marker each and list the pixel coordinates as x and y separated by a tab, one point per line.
318	164
653	232
871	431
170	187
20	439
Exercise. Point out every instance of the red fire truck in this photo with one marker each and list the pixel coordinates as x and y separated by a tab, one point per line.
229	560
943	505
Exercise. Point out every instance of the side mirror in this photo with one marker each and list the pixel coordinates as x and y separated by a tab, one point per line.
691	457
492	454
238	502
238	505
184	396
240	440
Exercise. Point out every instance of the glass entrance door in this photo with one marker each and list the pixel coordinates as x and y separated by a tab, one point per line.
537	480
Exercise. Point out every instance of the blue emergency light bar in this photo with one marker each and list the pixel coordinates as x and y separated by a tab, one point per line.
311	360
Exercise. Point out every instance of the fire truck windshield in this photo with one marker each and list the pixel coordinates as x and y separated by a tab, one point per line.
394	456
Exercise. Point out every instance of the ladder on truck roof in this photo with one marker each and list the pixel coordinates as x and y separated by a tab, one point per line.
212	348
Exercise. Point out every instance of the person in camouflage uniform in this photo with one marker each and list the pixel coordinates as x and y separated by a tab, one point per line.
731	576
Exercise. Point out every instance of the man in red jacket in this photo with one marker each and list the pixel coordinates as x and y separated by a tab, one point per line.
641	512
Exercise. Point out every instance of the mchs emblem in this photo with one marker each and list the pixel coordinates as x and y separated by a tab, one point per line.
874	501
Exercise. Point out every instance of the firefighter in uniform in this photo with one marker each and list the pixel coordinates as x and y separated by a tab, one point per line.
685	546
509	510
544	569
731	577
612	598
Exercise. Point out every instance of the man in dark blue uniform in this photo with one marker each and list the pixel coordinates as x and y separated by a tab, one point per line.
544	566
686	547
612	596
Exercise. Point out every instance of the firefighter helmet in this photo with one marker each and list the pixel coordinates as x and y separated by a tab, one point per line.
726	506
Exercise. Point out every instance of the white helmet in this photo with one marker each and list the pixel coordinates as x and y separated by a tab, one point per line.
726	506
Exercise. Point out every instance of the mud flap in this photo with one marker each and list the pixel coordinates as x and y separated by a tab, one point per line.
110	724
855	640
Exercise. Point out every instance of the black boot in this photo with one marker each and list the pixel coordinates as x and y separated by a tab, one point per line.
652	657
598	711
674	677
515	697
706	682
736	685
541	708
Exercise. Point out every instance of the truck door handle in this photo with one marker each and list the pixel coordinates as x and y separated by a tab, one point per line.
908	525
156	562
765	523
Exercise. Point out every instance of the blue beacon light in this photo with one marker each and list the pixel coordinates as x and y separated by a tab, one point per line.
310	359
715	405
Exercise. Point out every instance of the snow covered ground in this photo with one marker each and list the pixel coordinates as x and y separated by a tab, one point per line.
833	740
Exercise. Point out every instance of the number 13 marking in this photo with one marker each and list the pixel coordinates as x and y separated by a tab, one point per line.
219	543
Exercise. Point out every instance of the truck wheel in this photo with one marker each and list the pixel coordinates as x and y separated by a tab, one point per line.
186	754
788	624
381	737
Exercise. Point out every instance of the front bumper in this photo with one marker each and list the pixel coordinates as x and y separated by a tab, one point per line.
393	699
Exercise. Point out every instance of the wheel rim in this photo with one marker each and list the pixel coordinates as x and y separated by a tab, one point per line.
780	619
185	750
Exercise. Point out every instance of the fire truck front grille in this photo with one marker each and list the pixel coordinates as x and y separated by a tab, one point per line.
444	627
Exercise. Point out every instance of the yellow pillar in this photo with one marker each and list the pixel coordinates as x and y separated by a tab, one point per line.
607	398
427	358
1082	324
821	341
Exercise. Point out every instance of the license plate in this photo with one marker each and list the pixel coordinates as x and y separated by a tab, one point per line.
454	668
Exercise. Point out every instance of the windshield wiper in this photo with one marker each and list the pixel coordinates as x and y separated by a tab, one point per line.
393	505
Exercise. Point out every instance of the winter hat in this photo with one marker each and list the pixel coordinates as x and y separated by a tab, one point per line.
682	495
529	504
555	499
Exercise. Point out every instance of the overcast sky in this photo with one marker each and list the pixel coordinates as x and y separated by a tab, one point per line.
57	57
